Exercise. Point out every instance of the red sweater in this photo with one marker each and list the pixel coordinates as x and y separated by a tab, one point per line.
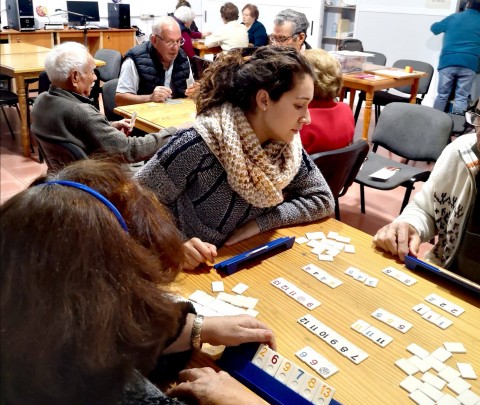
332	126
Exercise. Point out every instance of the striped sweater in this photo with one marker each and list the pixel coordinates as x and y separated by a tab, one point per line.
192	183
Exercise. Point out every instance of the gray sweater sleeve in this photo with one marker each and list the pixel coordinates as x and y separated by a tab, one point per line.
307	198
100	135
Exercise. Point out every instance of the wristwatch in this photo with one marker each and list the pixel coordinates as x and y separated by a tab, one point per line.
196	331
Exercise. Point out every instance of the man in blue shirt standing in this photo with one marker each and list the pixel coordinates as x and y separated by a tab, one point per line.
460	56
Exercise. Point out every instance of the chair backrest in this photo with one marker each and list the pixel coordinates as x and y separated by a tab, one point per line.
351	45
340	166
58	154
111	70
43	82
108	98
377	58
424	83
199	65
413	131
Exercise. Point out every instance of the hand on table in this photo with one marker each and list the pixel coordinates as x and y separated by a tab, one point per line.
192	89
244	232
235	330
211	388
122	125
197	252
160	94
398	238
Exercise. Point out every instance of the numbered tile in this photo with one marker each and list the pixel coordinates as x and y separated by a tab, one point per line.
360	326
371	281
296	379
357	355
310	387
431	316
360	276
390	271
444	304
421	309
443	322
261	356
352	271
272	363
285	370
324	394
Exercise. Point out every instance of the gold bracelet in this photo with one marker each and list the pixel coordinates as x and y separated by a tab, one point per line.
196	332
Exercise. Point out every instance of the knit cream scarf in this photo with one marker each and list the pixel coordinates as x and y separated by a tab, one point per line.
257	173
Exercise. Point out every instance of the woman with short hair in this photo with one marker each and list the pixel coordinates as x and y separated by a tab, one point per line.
257	34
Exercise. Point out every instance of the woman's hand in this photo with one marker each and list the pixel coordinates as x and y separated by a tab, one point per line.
244	232
197	251
192	89
235	330
122	125
211	388
398	238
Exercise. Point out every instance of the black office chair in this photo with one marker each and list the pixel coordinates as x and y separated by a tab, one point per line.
199	65
57	153
340	166
113	59
382	98
351	45
108	98
413	132
8	99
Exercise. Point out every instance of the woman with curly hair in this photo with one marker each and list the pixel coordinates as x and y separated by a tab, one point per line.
87	257
241	169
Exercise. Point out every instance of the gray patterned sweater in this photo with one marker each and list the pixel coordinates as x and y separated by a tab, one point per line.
190	180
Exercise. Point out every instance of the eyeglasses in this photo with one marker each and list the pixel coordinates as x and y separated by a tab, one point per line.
472	118
280	40
171	44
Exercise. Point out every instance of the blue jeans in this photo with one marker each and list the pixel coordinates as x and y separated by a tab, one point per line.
446	79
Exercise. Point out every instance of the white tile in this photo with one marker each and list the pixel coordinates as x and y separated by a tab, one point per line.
406	366
352	271
360	276
285	370
310	387
468	398
349	248
252	312
430	391
467	371
390	271
333	252
431	316
447	399
261	355
422	365
410	383
332	235
431	379
240	288
420	398
417	350
301	240
272	363
436	364
357	355
297	378
217	286
325	258
421	308
442	354
315	235
371	281
449	374
455	347
443	322
324	394
459	385
343	239
327	370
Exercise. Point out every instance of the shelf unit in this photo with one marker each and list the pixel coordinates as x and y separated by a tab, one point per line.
337	20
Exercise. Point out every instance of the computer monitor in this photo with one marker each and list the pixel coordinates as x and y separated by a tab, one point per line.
88	8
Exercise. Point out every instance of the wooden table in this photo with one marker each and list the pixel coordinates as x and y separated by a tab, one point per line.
24	61
152	117
375	380
353	82
203	50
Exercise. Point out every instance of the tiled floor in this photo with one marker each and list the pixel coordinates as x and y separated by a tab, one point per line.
17	172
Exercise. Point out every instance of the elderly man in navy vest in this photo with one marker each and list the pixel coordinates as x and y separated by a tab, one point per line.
155	70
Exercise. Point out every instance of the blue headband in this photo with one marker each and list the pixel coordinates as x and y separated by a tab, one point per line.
96	194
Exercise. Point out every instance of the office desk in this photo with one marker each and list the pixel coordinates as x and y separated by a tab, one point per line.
152	117
353	82
376	379
24	61
204	50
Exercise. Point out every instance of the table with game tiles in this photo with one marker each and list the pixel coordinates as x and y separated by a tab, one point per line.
346	304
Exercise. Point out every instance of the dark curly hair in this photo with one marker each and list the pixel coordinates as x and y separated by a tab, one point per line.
236	79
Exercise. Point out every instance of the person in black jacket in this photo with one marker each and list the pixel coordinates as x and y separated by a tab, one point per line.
155	70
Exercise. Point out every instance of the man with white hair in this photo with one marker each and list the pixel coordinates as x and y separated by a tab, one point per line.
65	111
155	70
184	16
290	29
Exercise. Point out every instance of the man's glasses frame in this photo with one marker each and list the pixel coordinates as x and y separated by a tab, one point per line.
473	118
281	40
171	44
